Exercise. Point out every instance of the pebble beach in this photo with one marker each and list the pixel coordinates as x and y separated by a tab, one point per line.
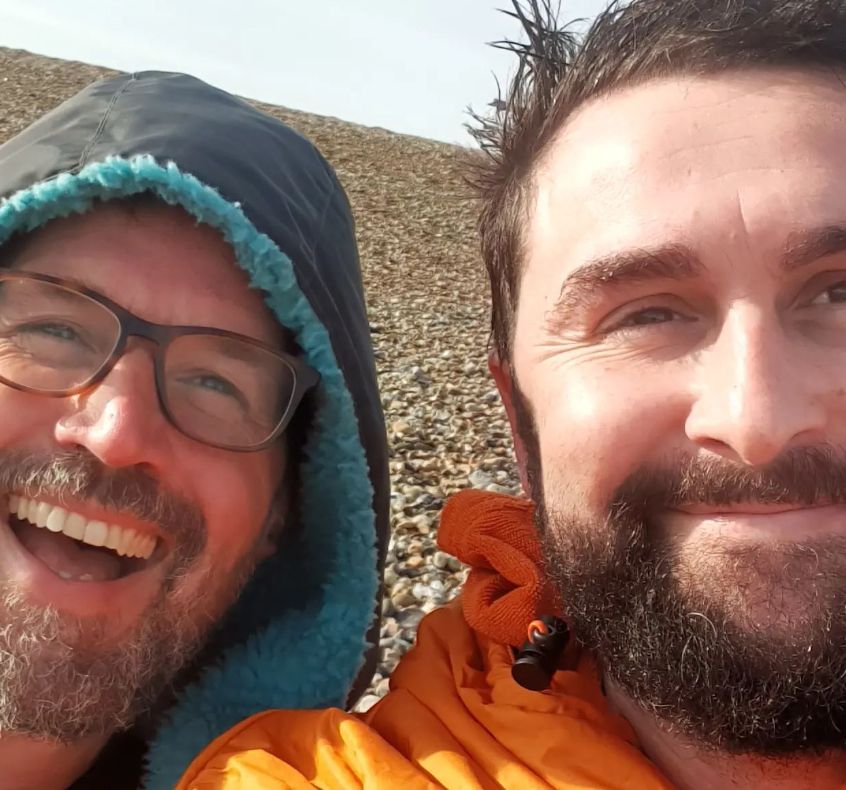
428	304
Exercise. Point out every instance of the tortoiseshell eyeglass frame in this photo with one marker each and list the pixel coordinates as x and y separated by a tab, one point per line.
162	335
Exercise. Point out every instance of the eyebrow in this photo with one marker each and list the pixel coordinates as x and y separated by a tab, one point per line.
238	353
675	262
806	247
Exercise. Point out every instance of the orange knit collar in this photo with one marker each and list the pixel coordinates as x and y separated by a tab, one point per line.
496	536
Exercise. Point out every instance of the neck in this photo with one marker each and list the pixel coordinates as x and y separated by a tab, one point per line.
689	767
47	765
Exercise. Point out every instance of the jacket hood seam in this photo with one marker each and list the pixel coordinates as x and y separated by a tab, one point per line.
101	127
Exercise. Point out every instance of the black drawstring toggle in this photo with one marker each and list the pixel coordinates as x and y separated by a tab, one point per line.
539	657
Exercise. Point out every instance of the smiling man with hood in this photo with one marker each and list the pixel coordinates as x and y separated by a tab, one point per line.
193	466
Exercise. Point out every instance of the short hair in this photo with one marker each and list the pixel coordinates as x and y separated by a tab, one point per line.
628	44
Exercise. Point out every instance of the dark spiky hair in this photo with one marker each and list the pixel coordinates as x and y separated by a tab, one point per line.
628	44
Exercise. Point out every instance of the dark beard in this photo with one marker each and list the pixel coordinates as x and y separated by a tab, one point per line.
682	656
678	634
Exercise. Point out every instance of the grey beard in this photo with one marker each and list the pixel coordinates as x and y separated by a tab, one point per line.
59	682
63	677
60	678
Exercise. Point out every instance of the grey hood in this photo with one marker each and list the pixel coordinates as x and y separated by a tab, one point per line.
298	635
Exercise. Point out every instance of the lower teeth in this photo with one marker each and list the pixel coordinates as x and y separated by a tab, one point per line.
86	577
126	565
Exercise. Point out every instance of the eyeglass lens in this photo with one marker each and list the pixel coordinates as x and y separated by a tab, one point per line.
218	389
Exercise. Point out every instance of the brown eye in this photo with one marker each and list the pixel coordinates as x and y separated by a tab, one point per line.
834	294
655	313
652	315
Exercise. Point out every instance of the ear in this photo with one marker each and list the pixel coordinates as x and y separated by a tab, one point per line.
501	372
266	546
274	523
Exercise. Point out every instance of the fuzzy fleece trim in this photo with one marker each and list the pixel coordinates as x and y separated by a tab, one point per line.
303	658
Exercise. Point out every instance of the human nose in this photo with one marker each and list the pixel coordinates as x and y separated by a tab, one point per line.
119	421
755	393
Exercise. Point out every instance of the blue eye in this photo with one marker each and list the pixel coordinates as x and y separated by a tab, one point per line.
58	331
214	384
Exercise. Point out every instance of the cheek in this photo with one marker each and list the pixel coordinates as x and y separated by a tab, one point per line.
27	421
237	498
596	425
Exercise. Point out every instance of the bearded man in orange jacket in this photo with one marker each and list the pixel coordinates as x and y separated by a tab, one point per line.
664	226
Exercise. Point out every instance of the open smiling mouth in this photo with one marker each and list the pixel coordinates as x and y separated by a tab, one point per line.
77	548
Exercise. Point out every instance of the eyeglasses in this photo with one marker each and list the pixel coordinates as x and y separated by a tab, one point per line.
220	388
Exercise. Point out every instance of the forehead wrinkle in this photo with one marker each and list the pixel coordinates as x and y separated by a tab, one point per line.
674	261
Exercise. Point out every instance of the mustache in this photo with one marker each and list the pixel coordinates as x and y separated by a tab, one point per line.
805	476
79	475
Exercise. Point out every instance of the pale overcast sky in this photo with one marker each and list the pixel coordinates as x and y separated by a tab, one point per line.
407	65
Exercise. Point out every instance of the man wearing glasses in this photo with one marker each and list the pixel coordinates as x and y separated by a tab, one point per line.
192	460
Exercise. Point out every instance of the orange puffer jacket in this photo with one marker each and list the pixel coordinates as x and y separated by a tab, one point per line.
454	717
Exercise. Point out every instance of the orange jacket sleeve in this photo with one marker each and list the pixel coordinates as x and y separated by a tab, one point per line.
302	749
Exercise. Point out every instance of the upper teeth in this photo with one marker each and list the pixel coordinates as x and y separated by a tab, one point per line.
123	540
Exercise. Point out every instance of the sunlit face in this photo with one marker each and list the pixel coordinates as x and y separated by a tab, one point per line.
193	516
683	307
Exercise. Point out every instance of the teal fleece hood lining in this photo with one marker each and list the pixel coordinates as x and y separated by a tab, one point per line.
310	655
